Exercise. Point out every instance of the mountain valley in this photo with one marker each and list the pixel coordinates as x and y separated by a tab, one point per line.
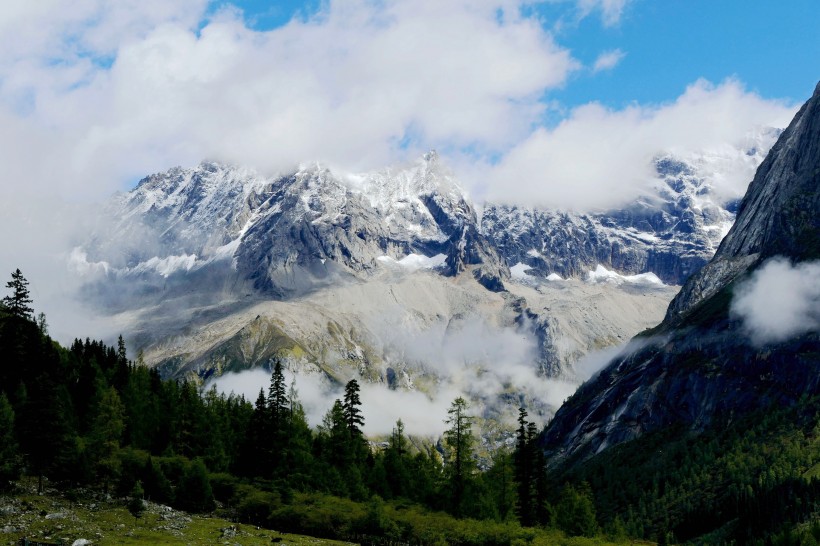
217	269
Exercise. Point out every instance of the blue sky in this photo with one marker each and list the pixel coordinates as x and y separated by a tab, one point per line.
770	46
773	47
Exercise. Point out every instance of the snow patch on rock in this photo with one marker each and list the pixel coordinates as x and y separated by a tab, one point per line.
414	262
519	271
602	274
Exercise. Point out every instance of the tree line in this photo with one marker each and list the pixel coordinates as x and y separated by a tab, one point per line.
89	416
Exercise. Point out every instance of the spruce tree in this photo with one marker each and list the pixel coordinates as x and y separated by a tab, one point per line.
9	455
500	480
398	442
194	493
352	413
106	434
121	371
17	305
42	324
136	505
297	457
255	454
459	441
278	404
122	357
538	476
396	464
336	424
156	485
575	512
523	471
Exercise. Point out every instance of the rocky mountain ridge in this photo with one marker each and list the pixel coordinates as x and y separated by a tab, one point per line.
290	234
328	225
702	366
216	269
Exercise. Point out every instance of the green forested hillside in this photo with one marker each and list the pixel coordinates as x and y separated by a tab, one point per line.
748	482
87	418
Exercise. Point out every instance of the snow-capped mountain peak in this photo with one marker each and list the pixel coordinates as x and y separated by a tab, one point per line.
316	223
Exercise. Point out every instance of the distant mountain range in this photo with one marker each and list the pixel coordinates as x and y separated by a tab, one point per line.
216	269
326	225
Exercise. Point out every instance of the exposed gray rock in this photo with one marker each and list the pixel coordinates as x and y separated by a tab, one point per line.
215	240
467	247
215	232
777	217
230	230
672	232
699	368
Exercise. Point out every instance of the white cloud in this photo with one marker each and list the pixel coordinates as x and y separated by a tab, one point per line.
608	60
347	86
611	10
96	94
422	415
779	301
314	391
599	158
471	359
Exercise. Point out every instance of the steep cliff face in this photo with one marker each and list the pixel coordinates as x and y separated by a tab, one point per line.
777	217
700	366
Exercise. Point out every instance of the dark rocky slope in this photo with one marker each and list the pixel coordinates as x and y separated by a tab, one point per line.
698	368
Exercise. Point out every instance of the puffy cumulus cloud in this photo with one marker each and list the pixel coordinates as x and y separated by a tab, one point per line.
140	86
599	158
779	301
608	60
95	94
91	25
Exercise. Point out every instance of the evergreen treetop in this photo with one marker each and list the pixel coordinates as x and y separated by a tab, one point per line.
18	304
352	413
459	440
278	403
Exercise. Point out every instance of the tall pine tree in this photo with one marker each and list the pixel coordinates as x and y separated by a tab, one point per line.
9	456
523	472
255	455
459	441
538	475
17	305
352	413
105	436
278	407
396	463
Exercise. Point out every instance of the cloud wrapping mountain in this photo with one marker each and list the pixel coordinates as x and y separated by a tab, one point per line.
779	301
